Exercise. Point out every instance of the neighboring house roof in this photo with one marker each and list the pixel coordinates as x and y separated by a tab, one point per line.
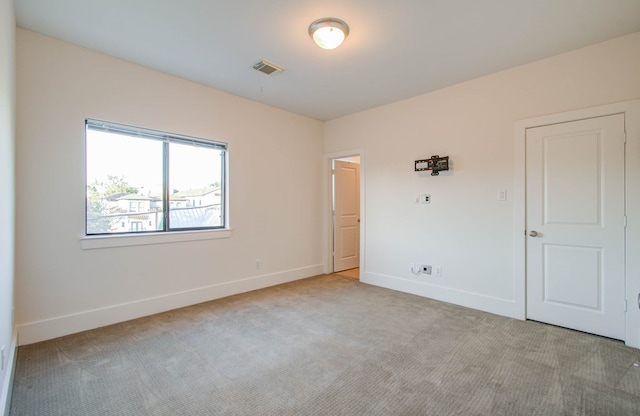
134	197
115	197
194	217
194	192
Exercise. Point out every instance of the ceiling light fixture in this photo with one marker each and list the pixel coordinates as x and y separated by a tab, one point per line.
328	32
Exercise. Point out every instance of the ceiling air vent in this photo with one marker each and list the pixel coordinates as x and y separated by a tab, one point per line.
267	67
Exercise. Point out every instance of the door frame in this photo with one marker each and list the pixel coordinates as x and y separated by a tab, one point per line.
328	212
631	110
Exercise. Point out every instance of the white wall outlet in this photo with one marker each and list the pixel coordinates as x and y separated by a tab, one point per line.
425	198
257	264
437	271
426	269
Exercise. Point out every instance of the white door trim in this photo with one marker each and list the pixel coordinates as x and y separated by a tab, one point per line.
631	109
327	235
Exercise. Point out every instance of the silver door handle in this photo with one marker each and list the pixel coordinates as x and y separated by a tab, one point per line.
533	233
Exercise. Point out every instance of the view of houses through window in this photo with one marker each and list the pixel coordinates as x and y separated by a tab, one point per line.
139	180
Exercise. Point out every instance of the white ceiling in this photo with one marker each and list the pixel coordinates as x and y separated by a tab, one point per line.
396	49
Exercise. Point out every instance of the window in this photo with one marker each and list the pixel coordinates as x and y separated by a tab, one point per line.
136	176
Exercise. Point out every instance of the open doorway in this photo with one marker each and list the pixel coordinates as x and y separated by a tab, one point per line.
345	218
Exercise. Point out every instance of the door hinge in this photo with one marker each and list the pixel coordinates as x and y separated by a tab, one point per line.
625	136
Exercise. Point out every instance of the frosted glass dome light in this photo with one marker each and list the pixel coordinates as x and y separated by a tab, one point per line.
328	32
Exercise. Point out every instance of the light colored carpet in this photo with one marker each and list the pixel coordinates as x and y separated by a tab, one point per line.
327	345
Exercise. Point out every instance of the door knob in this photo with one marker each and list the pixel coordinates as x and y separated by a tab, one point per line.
533	233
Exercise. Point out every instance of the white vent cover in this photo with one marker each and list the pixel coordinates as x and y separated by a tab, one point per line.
267	67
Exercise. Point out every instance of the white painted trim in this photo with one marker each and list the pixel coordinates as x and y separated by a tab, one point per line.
503	307
327	234
631	109
632	197
519	221
69	324
7	387
125	240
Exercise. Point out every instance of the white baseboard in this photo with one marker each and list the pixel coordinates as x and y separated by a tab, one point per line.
7	385
498	306
33	332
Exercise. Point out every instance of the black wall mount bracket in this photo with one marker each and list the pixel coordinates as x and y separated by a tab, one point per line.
435	164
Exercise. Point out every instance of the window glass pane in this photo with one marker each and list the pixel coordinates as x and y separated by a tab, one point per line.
124	183
196	197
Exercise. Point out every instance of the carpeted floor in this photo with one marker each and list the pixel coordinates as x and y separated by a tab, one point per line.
327	345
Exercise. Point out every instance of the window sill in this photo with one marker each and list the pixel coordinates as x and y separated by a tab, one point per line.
108	241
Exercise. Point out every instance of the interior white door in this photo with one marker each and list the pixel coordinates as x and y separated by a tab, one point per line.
575	225
346	235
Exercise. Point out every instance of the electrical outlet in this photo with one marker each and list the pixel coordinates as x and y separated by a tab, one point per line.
257	263
426	269
425	198
437	271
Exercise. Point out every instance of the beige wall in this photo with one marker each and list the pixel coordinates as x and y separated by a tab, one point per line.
275	188
466	230
277	183
7	133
